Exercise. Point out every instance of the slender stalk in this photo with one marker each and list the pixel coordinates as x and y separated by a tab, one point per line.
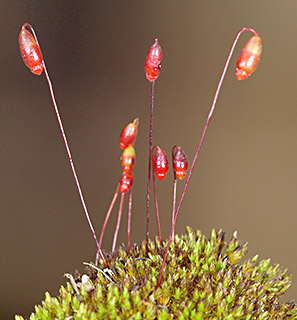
157	207
150	163
115	237
173	205
129	220
68	151
174	192
200	145
108	214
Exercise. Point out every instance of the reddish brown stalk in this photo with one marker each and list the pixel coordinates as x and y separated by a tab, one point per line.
174	192
68	151
173	205
199	146
129	221
156	201
150	163
115	237
108	214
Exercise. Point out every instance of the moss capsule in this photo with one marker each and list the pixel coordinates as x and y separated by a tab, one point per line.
30	52
153	62
249	58
129	134
180	163
126	181
128	159
160	163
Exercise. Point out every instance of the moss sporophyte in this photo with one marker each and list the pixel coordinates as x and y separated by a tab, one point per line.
180	277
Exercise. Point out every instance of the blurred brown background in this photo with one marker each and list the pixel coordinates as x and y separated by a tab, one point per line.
246	178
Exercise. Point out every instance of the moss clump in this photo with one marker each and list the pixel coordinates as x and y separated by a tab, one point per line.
203	279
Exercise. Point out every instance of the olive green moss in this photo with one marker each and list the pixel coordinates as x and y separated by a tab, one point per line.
203	279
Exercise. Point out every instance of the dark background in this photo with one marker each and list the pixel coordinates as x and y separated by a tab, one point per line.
95	52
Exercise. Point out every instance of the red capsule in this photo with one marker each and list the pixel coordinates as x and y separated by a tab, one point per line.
160	163
180	163
30	52
126	181
129	134
128	159
153	62
249	58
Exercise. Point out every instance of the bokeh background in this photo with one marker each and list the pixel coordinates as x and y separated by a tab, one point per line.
246	178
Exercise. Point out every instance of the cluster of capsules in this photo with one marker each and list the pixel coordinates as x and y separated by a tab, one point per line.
161	164
127	141
152	69
160	168
246	65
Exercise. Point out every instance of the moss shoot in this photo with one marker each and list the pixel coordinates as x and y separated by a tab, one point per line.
203	279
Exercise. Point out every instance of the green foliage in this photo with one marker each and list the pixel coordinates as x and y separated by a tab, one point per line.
203	279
